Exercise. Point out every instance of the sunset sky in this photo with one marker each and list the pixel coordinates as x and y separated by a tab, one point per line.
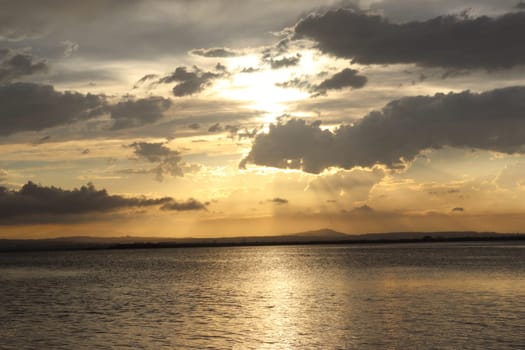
228	117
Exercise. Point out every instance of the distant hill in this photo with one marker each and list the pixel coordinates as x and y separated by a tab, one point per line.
308	237
321	234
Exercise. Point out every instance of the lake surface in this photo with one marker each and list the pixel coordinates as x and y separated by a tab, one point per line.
419	296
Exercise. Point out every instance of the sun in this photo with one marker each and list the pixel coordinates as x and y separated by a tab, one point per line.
258	90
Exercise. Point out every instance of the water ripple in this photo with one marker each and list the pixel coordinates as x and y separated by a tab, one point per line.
440	296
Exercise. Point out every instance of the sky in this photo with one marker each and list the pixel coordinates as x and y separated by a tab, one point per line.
239	118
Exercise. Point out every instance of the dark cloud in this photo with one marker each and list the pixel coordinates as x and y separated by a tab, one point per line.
447	41
281	48
35	203
214	52
250	70
14	64
232	129
145	79
248	134
179	74
445	191
363	209
215	128
42	140
279	201
134	113
190	204
285	62
520	5
152	152
194	126
135	171
347	78
458	209
492	120
294	144
169	162
220	67
189	81
297	83
401	11
33	107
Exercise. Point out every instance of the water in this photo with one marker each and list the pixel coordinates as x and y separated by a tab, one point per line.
426	296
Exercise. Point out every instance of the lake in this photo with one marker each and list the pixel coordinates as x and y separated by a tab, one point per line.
398	296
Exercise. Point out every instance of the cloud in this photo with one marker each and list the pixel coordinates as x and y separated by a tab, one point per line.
401	11
440	191
250	70
343	79
15	64
169	162
145	79
42	140
160	28
458	210
511	176
214	52
85	76
190	204
69	47
296	83
215	128
278	201
36	203
189	82
152	152
233	130
354	184
31	19
33	107
491	120
446	41
134	113
221	67
248	134
285	62
3	175
363	209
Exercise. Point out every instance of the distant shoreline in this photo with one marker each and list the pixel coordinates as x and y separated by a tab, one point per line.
240	242
336	242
